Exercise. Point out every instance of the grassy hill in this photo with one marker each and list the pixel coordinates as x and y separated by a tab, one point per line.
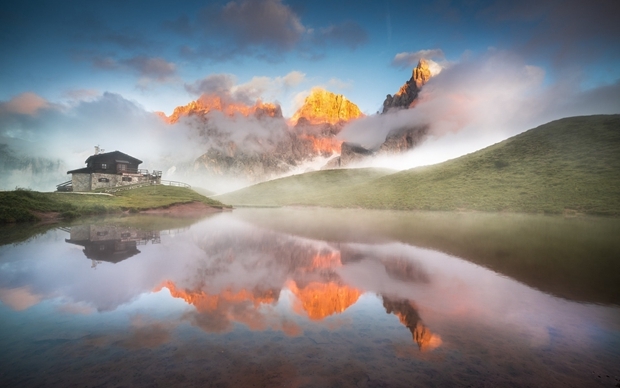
303	188
23	205
569	165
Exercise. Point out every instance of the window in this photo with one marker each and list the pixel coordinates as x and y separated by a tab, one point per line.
126	179
104	180
121	167
104	166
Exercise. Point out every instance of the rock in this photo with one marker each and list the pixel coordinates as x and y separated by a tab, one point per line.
403	140
322	107
207	103
408	93
349	153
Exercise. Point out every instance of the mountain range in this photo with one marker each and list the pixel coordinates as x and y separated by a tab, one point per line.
254	142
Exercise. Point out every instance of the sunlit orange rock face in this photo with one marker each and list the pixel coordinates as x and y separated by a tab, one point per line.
323	145
320	300
407	95
208	103
322	107
421	73
205	302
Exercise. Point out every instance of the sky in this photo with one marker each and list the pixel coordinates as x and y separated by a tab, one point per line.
65	65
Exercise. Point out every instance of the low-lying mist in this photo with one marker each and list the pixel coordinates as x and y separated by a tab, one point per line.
470	104
41	143
477	102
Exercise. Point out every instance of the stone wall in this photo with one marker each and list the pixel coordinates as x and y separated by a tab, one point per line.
115	180
81	182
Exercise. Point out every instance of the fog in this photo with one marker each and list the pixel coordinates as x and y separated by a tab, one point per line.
44	140
479	101
472	103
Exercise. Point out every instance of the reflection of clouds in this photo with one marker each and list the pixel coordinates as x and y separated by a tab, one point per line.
216	313
145	334
243	274
19	298
75	308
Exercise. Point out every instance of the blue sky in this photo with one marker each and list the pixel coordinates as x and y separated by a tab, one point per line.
74	74
149	52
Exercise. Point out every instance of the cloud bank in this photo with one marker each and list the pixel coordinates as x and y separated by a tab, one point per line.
41	141
477	102
263	29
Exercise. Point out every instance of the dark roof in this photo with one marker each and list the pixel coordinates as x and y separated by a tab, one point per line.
84	170
117	155
110	254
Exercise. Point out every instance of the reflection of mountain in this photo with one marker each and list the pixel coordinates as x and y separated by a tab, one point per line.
109	242
408	316
320	300
267	262
217	312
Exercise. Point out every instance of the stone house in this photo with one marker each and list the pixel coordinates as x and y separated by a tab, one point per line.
110	169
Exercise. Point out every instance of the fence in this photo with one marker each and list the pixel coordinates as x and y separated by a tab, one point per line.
175	183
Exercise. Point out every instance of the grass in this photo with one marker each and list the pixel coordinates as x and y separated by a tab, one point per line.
303	188
570	165
23	205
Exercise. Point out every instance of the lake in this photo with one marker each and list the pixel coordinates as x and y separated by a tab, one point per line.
311	297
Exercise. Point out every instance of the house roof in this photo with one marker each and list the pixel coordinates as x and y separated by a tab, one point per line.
83	170
116	155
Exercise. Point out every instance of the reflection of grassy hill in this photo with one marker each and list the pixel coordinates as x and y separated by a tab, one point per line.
19	205
571	164
302	189
574	258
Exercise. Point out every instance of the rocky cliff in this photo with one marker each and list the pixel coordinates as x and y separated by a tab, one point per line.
322	107
275	146
408	93
208	103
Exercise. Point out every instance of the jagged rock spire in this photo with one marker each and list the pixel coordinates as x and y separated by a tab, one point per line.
404	98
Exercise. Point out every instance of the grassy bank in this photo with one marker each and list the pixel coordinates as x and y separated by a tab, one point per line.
303	188
26	205
570	165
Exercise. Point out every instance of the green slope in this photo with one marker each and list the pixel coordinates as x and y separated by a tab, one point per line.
301	189
568	165
21	205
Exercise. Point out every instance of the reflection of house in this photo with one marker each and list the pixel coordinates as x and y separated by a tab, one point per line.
110	169
110	243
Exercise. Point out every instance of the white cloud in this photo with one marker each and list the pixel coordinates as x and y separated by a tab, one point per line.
480	101
264	88
411	59
25	103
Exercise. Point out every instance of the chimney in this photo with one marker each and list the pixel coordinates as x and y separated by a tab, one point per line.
96	150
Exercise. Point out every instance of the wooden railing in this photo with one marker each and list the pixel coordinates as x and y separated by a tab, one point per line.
175	183
65	186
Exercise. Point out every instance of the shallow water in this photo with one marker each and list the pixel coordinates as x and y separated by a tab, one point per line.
313	298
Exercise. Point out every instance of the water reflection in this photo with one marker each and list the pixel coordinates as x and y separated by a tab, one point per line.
408	316
110	243
235	300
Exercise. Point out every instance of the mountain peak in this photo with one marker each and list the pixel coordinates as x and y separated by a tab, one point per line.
421	73
322	106
407	93
207	103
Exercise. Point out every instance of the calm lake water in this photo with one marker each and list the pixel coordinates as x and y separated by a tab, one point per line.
312	298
